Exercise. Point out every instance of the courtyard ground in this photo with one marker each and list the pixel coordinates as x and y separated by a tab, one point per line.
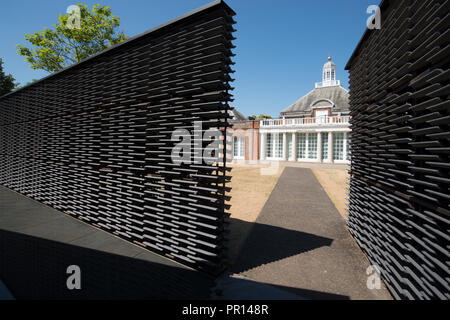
249	192
298	245
335	183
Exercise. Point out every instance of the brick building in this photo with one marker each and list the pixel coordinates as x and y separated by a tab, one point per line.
316	128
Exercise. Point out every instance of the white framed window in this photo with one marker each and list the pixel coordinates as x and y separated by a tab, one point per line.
307	146
321	116
301	145
338	146
312	146
269	146
274	146
324	145
278	146
239	147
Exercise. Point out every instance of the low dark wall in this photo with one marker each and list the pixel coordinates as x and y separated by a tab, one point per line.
95	142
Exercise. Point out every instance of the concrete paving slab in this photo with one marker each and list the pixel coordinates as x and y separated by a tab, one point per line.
65	229
104	241
15	214
38	243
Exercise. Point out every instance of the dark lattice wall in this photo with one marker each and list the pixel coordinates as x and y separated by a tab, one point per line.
399	192
94	140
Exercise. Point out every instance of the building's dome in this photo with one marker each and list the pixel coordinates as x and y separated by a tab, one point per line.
337	97
329	93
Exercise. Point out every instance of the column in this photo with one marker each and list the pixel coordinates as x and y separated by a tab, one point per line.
294	147
262	155
319	147
285	147
330	147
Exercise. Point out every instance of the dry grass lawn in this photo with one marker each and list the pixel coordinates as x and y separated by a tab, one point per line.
335	183
249	192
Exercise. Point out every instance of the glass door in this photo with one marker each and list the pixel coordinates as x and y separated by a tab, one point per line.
321	116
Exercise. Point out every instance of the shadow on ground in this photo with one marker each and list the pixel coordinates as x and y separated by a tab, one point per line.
263	245
35	268
38	244
229	287
266	244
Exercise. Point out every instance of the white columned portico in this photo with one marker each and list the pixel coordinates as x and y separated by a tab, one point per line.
285	147
330	147
294	146
307	136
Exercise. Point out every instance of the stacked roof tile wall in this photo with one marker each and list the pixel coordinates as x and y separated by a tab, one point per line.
94	140
400	178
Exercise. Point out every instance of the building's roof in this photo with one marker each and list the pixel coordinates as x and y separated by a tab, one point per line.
336	94
237	116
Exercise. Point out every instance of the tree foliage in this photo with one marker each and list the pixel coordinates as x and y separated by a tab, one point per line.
261	117
55	49
26	84
7	83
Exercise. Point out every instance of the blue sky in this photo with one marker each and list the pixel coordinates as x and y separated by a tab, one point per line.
281	45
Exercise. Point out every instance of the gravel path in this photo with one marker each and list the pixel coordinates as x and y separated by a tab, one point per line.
301	244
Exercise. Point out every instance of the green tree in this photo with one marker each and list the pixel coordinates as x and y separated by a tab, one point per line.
26	84
30	82
7	83
261	117
69	43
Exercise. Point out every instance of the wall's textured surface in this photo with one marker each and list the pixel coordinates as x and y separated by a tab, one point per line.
94	140
399	192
